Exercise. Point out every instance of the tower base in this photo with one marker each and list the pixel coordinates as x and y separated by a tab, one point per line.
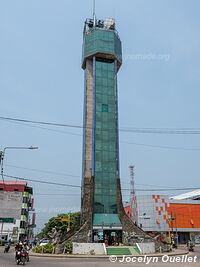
130	233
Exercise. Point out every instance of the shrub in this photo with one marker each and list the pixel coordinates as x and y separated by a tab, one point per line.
68	247
49	248
37	249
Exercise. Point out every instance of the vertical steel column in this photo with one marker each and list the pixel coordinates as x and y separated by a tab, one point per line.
93	114
117	119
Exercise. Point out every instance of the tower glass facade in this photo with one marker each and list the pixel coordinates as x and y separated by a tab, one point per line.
102	58
105	196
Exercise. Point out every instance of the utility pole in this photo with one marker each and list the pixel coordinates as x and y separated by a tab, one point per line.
2	224
1	161
172	219
132	182
132	177
176	228
1	166
169	229
0	156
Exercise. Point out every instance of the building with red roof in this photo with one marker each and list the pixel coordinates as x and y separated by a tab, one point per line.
17	216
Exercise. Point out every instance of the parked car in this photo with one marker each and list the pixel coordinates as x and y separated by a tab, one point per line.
44	242
197	239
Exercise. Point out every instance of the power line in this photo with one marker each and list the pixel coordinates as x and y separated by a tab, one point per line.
122	142
163	147
78	186
42	182
151	185
42	122
64	194
71	175
43	171
192	131
44	128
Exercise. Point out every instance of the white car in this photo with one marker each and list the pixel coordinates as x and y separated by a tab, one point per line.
44	242
197	240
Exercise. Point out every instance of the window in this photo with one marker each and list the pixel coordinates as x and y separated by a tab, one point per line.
24	212
22	224
104	108
25	199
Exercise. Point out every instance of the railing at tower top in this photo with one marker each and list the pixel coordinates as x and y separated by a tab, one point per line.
107	24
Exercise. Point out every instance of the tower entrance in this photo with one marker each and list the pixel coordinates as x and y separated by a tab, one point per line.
109	237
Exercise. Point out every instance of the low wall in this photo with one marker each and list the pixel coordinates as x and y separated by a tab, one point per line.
89	248
146	248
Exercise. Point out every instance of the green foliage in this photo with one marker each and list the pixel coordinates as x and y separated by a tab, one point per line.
49	248
68	247
37	249
54	222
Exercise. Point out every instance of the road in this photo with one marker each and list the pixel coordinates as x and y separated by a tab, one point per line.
7	260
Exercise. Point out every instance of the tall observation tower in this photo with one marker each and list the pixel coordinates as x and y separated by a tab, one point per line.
101	206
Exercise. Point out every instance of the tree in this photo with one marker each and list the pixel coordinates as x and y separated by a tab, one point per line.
62	222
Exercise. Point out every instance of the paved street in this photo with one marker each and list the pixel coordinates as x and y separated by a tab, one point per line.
7	260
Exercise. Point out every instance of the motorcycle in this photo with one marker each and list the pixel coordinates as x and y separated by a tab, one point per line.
21	257
7	248
27	256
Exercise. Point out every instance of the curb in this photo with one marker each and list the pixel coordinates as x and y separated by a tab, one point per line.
61	256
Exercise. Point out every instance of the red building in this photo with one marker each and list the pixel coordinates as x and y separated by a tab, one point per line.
17	216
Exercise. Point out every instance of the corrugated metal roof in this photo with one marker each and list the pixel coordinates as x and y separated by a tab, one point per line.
189	195
13	183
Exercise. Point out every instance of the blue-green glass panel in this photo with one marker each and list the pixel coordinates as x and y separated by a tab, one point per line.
102	41
106	220
105	198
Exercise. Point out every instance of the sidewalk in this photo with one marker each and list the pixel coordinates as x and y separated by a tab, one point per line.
177	252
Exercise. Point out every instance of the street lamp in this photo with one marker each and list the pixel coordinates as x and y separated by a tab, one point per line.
2	154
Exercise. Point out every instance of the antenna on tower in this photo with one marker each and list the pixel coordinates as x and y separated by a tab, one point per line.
132	180
94	12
